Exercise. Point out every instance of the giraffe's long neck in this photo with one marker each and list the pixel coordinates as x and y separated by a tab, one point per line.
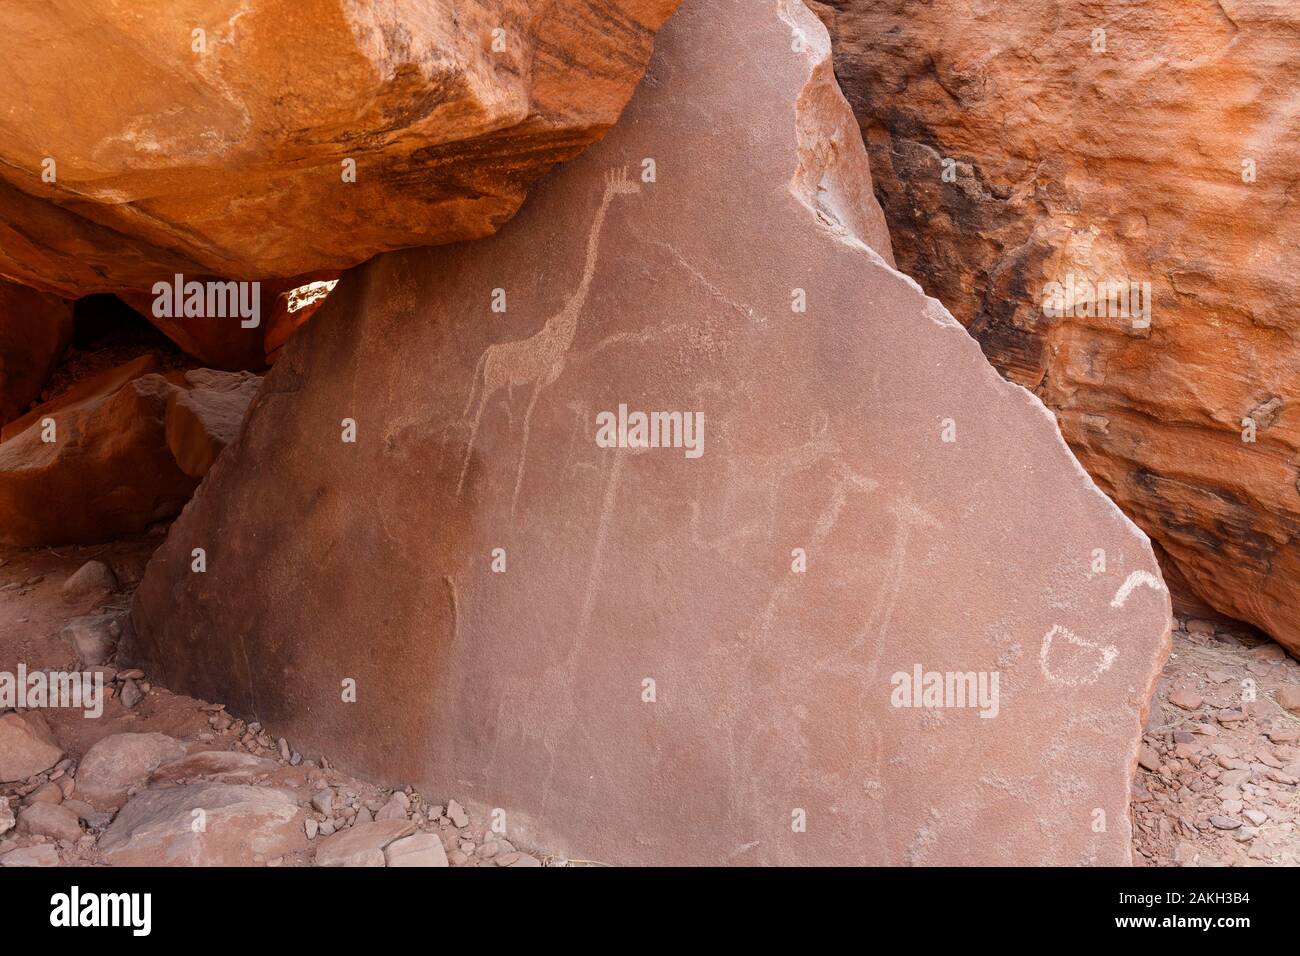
579	295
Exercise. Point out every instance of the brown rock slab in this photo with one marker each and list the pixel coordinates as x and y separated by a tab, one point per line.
34	331
419	849
130	445
713	655
1288	697
26	746
116	763
361	844
1123	169
237	826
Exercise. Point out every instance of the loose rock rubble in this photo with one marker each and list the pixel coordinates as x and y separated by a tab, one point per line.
1218	772
132	796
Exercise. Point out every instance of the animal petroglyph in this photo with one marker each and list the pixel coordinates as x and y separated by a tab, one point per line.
1084	666
1132	581
541	358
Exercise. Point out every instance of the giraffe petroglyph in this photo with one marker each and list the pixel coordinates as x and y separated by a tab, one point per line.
539	359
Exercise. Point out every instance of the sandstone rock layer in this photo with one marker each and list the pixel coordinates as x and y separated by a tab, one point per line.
1151	143
210	138
645	654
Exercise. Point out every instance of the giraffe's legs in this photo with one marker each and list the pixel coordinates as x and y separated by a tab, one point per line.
523	450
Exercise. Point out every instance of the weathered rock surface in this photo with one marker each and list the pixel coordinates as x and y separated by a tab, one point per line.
42	854
215	153
26	746
241	826
420	849
119	762
34	331
1117	154
130	446
223	766
653	647
362	844
51	820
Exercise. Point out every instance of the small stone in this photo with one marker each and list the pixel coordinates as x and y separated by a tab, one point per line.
94	638
1288	698
1268	652
46	793
456	858
323	801
26	746
1229	716
1279	776
7	820
131	694
284	748
488	850
1186	699
51	820
1224	823
119	762
42	855
94	578
1257	817
1284	735
1203	628
456	813
311	827
1148	759
396	808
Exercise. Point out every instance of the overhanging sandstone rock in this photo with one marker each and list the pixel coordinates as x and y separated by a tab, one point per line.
211	138
645	654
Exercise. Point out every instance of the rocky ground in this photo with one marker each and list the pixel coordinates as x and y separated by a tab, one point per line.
163	778
1217	775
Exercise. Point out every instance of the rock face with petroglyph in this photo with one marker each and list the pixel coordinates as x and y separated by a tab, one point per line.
194	140
696	639
1109	140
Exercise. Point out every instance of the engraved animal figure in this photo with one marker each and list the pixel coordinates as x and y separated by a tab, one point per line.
539	359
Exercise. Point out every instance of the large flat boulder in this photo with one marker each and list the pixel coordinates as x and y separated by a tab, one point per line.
204	824
1082	147
212	139
125	449
723	646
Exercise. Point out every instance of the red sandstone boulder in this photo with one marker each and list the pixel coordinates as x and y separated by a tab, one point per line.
34	331
744	641
116	452
194	140
1152	143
